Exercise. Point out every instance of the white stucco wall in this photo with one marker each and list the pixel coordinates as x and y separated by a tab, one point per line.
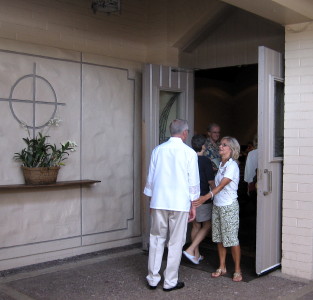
101	112
297	232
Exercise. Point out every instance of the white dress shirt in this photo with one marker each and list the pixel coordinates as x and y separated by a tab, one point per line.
251	165
173	179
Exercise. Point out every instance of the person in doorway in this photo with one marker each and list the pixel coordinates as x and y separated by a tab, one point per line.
250	176
202	224
212	145
225	213
251	168
172	183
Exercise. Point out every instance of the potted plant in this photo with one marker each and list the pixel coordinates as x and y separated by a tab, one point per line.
41	160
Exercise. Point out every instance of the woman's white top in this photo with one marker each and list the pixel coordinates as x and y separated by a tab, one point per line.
229	193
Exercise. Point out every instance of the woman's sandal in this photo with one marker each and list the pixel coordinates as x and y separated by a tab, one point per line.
237	276
218	273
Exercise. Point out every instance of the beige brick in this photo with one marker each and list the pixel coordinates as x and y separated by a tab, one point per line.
291	169
294	272
298	124
305	223
299	240
300	53
306	44
305	196
300	71
305	132
292	132
306	188
296	196
305	151
296	230
303	143
291	115
298	257
292	98
291	222
291	151
305	160
306	205
291	63
306	61
306	80
308	97
291	160
292	247
297	265
307	115
305	169
298	178
292	80
299	89
292	187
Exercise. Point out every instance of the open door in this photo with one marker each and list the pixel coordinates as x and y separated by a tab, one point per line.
270	160
168	94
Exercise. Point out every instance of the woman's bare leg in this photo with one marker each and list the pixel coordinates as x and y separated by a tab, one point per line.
235	251
197	237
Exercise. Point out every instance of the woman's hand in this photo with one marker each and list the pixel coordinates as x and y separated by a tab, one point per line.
192	214
201	200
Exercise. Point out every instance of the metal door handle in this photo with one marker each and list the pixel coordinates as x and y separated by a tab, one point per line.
269	182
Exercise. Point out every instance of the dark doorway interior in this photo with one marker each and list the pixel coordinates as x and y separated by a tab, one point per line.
229	97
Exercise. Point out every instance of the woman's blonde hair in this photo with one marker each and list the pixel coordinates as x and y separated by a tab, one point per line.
234	146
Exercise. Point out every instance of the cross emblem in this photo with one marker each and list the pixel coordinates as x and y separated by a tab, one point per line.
37	104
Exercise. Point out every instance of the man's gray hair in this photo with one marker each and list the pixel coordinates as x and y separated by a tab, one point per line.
178	126
211	126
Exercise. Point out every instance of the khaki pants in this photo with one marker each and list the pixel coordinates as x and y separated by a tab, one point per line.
163	222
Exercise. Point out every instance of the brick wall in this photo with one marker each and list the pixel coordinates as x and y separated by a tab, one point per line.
297	232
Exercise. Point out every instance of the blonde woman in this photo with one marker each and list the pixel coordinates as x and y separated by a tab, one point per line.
225	214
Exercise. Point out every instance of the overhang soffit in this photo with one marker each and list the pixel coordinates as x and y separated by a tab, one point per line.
203	26
282	12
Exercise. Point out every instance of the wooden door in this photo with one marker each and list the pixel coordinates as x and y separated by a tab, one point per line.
270	160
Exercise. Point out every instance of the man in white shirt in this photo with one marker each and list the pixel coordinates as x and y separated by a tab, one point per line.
251	166
172	183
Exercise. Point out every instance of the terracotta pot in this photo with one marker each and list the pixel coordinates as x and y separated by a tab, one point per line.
40	175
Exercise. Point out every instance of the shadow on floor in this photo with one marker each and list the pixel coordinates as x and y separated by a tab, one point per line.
211	262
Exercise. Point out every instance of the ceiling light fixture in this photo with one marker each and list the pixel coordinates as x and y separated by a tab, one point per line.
108	6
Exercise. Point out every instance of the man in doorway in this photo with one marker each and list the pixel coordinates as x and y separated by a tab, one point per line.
212	145
172	183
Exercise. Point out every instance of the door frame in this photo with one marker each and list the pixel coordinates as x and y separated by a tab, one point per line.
157	78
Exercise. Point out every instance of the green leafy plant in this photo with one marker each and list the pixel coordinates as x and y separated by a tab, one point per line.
40	153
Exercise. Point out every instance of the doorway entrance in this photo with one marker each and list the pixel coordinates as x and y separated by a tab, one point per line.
242	105
229	97
230	108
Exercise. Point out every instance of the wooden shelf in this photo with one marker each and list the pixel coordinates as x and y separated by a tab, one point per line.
52	185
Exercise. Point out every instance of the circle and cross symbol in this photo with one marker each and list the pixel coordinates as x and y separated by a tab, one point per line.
36	80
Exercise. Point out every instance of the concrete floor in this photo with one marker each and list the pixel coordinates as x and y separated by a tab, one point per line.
120	274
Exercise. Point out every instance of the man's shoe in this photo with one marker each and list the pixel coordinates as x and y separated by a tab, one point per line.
152	287
178	286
